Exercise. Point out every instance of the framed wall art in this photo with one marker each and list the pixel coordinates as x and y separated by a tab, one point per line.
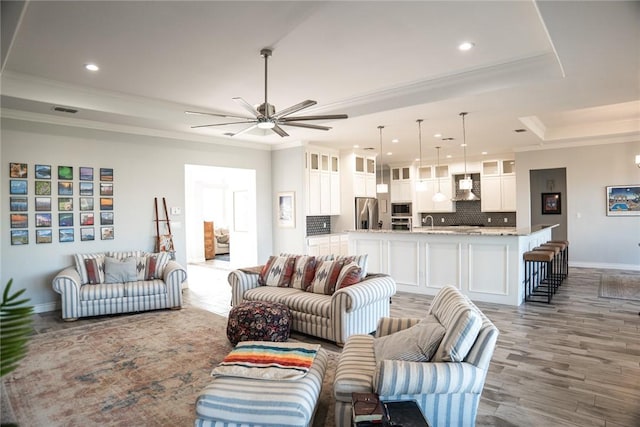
17	186
44	236
87	233
19	220
106	174
86	203
286	209
65	203
43	220
18	204
43	188
17	170
19	237
43	171
86	174
106	218
86	218
551	204
106	204
106	233
66	235
43	203
65	172
65	188
623	200
65	219
86	188
106	189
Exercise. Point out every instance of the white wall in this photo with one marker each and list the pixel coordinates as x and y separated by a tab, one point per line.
595	239
144	168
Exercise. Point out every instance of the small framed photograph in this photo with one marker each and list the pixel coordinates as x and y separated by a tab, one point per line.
106	174
65	172
44	236
86	188
19	237
18	204
286	209
43	171
43	220
87	233
65	219
66	235
86	203
106	204
65	203
17	170
106	218
65	188
86	174
106	189
43	203
86	218
106	233
19	220
551	204
17	186
623	200
43	188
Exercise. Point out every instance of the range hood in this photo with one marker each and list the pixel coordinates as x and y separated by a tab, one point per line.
467	195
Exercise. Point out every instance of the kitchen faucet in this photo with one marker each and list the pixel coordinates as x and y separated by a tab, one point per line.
424	220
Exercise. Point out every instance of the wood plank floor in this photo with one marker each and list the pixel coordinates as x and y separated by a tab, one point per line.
575	362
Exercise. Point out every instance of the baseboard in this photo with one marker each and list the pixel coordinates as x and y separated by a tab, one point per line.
47	307
605	266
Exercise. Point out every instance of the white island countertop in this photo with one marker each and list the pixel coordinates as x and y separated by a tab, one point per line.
467	230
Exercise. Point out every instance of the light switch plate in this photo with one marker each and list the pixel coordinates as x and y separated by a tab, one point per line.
175	210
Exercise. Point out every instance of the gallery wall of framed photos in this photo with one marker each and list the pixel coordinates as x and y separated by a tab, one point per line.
60	203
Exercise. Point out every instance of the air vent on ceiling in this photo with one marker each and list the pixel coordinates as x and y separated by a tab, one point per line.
368	148
228	134
519	130
65	110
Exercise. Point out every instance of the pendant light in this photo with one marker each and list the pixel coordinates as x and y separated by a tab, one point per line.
421	185
381	187
466	184
438	197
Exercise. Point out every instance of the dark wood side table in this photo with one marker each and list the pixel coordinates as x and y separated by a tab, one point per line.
405	413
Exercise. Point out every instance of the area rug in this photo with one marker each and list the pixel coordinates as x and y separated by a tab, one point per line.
620	286
141	369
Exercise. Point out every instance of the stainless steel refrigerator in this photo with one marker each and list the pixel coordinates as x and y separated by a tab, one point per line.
366	213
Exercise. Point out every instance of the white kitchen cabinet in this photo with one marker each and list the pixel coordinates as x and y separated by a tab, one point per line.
431	177
498	186
401	187
323	182
364	178
318	245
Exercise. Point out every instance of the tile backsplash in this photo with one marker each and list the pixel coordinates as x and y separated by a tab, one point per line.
318	225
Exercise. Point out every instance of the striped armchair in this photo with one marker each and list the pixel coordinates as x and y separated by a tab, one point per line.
448	392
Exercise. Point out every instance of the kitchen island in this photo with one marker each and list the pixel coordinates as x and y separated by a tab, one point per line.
485	263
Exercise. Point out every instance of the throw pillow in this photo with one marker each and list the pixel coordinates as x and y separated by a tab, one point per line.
350	274
82	269
120	270
415	344
361	260
155	264
95	270
303	272
277	271
326	277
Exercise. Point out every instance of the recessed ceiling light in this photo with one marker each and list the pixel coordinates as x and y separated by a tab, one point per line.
356	146
389	153
484	153
91	67
449	156
464	46
395	140
437	135
417	159
463	145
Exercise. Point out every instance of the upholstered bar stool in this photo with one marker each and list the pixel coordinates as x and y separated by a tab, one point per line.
538	265
565	256
557	275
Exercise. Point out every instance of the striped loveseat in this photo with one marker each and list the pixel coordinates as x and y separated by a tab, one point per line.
351	310
87	289
447	387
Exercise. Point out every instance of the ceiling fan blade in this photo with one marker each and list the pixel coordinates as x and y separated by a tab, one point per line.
325	117
294	108
222	124
247	106
306	125
245	130
277	129
229	116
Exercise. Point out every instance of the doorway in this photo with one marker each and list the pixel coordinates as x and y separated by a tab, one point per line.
225	197
548	189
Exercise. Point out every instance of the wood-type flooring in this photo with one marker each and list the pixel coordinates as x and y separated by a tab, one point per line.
574	362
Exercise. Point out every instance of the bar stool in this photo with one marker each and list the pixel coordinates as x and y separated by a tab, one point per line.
556	274
565	256
538	265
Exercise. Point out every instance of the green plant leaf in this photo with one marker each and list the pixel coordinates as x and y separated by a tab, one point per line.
15	328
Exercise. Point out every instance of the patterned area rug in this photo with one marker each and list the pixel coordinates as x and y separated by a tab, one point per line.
141	369
620	286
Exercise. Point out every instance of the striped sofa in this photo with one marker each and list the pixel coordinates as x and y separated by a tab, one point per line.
352	310
448	392
83	299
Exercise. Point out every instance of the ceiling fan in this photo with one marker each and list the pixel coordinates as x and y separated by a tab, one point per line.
265	116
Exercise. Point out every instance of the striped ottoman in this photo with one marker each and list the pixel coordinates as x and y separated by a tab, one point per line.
237	401
259	321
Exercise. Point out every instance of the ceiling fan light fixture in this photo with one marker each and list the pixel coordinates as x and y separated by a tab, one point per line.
266	125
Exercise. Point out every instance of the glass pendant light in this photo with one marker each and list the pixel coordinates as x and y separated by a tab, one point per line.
381	187
438	197
421	185
466	184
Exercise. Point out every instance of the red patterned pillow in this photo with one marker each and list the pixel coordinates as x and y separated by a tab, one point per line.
277	271
92	266
326	277
303	272
349	275
154	268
